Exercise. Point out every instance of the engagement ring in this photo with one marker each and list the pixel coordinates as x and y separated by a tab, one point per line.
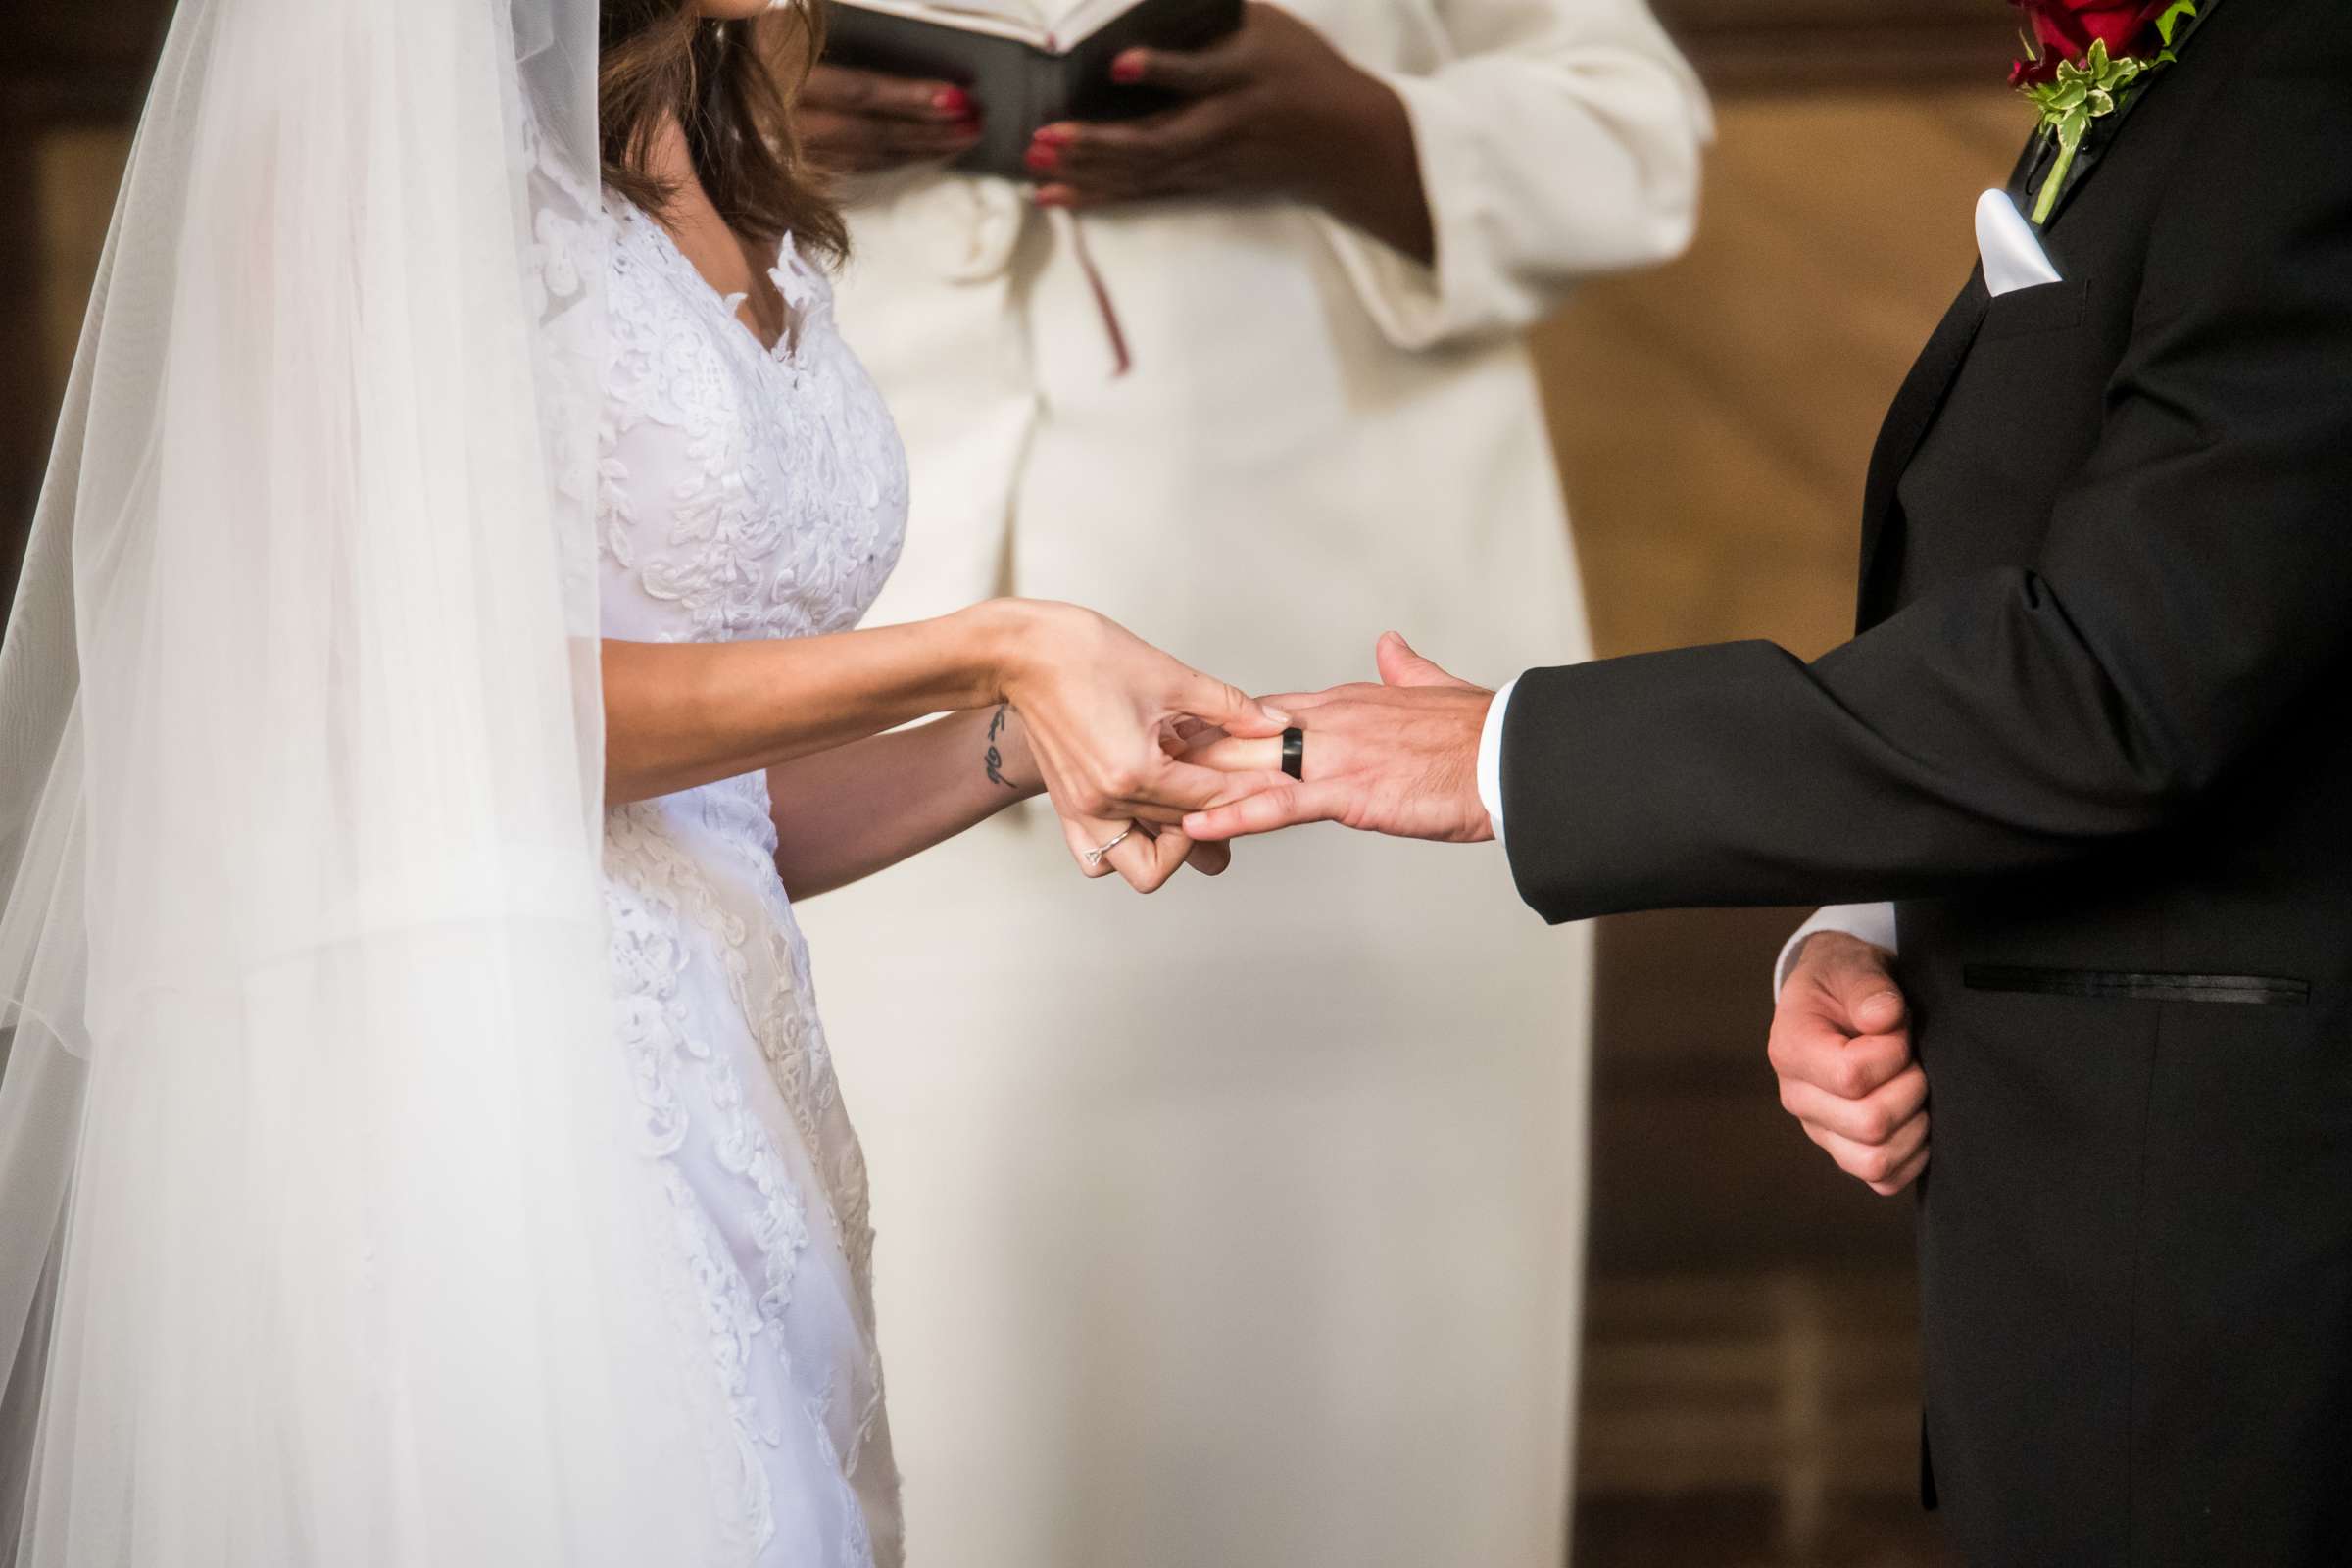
1093	858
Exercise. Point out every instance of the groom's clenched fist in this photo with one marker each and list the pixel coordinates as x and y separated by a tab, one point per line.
1400	757
1841	1045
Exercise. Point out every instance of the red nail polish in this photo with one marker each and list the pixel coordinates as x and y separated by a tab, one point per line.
952	101
1128	68
1056	135
1043	157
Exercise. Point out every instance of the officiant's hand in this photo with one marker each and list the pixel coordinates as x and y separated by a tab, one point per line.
1842	1046
1106	716
1272	109
1400	757
863	122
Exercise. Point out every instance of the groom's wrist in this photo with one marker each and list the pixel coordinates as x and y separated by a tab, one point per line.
1490	758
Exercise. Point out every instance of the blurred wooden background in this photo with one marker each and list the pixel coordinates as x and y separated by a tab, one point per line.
1750	1390
1751	1360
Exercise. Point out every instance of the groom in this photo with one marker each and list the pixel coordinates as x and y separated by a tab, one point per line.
2095	739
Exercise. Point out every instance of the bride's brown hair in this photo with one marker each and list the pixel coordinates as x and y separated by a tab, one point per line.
731	85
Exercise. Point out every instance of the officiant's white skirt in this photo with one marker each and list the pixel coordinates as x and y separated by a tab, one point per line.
1238	1227
1235	1227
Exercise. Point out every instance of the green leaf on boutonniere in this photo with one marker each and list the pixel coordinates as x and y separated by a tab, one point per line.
2169	25
2082	92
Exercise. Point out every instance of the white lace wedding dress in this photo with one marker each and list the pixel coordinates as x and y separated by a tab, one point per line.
747	493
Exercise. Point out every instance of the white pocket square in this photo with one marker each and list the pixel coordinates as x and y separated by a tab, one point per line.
2011	250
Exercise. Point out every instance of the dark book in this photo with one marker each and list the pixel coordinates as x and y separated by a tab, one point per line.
1022	73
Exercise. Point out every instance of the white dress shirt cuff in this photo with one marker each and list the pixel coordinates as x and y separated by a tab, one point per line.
1874	923
1490	758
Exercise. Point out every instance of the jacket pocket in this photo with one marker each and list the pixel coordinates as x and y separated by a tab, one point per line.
2045	308
2129	985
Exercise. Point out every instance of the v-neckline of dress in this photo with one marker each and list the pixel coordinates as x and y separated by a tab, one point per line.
787	348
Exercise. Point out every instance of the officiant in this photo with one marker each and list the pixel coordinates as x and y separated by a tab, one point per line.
1243	1225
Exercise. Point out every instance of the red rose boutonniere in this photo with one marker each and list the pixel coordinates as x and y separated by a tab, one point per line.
2083	57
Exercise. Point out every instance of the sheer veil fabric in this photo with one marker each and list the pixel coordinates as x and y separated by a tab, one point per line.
324	1237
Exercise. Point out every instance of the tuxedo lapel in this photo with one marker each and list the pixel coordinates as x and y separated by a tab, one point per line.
1923	392
2022	178
2042	151
1914	410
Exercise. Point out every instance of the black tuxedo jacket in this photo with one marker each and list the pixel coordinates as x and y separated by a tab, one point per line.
2095	737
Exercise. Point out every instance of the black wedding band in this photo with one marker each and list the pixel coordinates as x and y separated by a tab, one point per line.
1293	753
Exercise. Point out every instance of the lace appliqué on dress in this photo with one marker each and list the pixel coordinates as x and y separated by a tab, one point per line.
745	492
780	482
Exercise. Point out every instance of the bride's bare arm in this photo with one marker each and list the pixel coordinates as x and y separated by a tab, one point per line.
1094	699
844	814
680	714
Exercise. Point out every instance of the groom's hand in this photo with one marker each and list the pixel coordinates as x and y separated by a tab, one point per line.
1400	757
1842	1046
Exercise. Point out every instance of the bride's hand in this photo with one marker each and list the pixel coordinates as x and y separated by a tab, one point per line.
1099	707
1012	763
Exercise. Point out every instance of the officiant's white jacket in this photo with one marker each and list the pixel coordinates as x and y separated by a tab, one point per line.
1242	1226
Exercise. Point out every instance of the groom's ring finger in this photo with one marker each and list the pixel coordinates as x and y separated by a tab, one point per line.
1232	754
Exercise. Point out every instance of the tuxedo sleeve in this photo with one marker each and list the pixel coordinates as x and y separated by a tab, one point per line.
2194	591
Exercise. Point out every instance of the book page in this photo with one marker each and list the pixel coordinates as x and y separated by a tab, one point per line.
1050	25
1074	22
1023	19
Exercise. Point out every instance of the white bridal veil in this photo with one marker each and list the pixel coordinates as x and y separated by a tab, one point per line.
321	1237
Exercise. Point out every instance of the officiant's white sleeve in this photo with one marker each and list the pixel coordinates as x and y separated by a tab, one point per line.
1558	139
1874	923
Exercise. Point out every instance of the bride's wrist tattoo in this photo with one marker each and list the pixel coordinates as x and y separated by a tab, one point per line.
996	758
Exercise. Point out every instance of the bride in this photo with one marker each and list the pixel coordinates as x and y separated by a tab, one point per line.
431	683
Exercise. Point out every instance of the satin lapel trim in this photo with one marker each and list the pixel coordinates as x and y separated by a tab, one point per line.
2039	148
1908	419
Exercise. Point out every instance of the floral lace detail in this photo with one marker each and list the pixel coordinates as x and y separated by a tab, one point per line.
651	888
730	1320
744	493
665	911
780	481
